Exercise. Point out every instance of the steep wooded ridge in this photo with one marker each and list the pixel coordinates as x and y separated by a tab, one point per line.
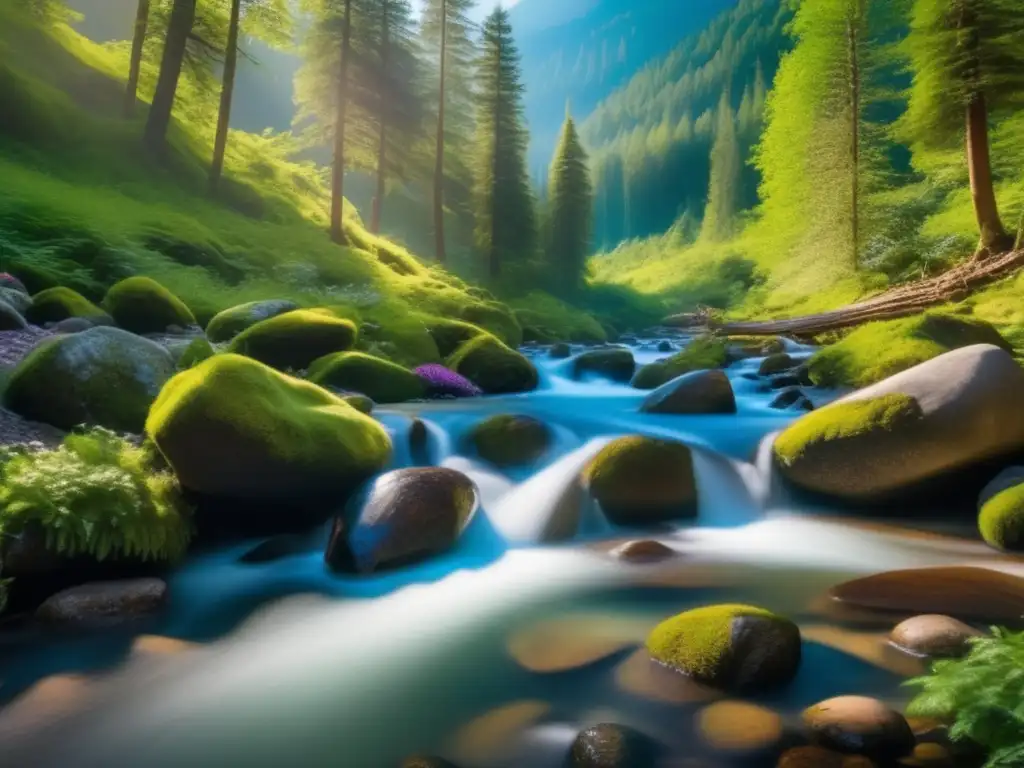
952	286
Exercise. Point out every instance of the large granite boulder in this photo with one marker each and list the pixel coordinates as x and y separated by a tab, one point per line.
891	438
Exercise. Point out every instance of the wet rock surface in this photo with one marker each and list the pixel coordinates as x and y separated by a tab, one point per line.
860	725
108	602
934	636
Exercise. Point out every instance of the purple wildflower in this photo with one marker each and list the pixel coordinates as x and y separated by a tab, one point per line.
443	382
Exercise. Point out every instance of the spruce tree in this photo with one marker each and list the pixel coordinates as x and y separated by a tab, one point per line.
503	199
968	63
179	29
135	67
570	211
447	37
726	168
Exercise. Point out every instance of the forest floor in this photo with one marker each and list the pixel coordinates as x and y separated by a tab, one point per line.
955	285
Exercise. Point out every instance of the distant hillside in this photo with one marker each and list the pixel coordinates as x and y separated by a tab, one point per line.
650	141
580	51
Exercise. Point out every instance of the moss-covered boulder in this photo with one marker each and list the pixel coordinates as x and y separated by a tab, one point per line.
195	352
911	432
1001	511
560	351
878	350
494	367
731	647
744	347
449	335
234	428
227	324
615	364
692	394
497	319
56	304
702	353
642	480
405	516
142	305
103	376
10	318
292	341
380	380
506	440
16	299
776	364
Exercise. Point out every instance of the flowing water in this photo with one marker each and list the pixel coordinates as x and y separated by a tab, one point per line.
494	654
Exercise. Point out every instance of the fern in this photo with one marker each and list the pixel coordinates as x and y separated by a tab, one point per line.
97	495
982	694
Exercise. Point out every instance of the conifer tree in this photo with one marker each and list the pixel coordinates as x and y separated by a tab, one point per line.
503	200
135	67
968	63
447	36
179	28
724	188
269	20
570	210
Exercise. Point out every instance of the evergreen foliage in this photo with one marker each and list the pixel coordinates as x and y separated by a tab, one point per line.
570	211
724	190
504	209
95	495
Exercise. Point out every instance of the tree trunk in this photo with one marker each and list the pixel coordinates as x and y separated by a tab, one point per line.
220	143
183	16
378	200
994	239
138	40
1019	245
338	174
439	251
855	98
495	257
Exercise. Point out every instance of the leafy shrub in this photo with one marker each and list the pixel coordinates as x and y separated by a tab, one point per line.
95	495
982	694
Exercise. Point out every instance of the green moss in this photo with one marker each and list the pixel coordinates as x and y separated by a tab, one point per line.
95	495
1001	520
102	376
56	304
703	353
616	364
841	421
546	319
142	305
758	346
227	324
232	427
295	339
642	480
878	350
361	403
698	642
36	279
380	380
198	350
509	441
493	367
449	335
496	318
776	364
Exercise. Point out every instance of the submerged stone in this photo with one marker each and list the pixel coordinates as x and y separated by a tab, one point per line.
608	745
861	725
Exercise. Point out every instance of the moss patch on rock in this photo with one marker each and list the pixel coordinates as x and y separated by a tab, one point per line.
642	480
197	351
843	421
292	341
227	324
497	319
380	380
703	353
1001	520
449	335
142	305
878	350
729	646
508	441
232	427
59	303
494	367
615	364
103	376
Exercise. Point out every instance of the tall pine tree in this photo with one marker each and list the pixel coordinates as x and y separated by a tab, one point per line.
503	199
570	210
179	29
448	39
726	168
968	63
135	67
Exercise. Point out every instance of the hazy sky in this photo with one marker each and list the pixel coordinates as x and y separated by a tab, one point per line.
484	6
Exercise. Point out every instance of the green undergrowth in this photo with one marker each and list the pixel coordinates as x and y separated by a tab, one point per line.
95	495
84	206
981	695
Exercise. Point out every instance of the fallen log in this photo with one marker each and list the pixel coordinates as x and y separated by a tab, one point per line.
951	286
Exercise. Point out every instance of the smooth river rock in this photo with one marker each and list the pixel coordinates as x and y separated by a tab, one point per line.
971	594
959	409
860	725
934	636
608	745
104	602
700	392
